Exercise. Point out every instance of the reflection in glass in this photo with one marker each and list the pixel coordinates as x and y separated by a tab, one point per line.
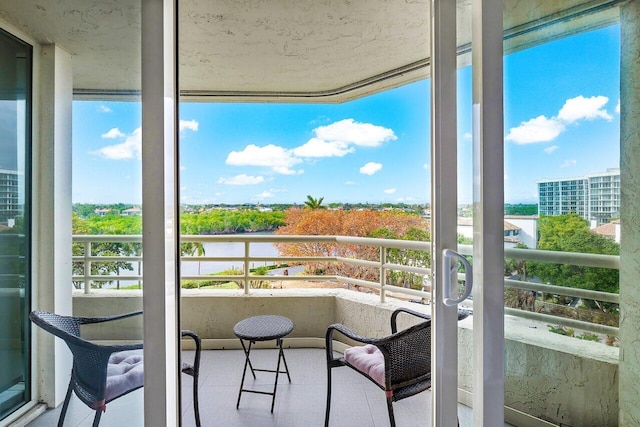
15	135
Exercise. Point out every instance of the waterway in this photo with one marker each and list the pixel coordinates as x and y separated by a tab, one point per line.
228	249
222	249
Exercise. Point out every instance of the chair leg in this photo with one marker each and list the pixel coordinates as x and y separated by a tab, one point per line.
196	409
328	410
392	420
65	405
96	419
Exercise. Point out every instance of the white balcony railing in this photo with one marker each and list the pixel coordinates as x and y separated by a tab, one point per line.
382	265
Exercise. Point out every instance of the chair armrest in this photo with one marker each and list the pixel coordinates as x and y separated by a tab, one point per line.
397	311
193	369
89	320
347	333
462	314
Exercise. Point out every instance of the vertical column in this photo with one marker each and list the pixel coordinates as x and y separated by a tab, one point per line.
52	213
629	367
488	214
444	210
160	228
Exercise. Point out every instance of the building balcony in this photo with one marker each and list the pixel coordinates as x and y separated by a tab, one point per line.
548	377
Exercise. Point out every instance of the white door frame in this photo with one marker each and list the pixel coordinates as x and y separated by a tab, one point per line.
488	213
488	205
160	226
444	187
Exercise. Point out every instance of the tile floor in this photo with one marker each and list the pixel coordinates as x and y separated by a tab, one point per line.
301	403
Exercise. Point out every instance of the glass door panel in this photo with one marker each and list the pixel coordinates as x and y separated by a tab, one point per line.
15	286
562	162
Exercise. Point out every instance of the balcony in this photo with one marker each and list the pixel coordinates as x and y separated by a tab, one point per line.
535	358
356	401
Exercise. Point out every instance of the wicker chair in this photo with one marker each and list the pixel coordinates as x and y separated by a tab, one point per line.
400	364
102	373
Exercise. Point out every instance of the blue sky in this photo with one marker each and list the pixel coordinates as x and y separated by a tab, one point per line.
561	120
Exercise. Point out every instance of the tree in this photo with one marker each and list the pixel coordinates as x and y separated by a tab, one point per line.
192	249
518	298
357	223
570	233
312	203
105	225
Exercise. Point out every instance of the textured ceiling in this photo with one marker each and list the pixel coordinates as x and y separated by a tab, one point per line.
279	50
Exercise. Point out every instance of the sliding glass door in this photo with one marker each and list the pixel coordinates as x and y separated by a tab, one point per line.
15	142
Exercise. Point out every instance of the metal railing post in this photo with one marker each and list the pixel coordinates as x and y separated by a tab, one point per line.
87	267
383	278
246	267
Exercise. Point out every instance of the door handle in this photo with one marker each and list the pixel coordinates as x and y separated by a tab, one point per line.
449	255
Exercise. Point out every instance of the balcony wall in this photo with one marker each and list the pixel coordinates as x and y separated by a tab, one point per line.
559	379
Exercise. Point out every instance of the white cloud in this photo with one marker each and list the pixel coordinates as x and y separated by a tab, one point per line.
551	149
568	163
618	107
241	179
113	133
539	129
264	195
104	109
349	183
338	139
129	149
349	131
581	108
467	135
316	147
277	158
189	124
183	168
543	129
370	168
390	190
426	166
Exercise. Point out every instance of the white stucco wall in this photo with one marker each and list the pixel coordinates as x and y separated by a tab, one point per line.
528	229
560	379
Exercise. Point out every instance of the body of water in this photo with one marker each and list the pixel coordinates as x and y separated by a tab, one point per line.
226	249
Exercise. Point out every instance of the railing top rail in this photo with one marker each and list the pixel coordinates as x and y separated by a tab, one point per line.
556	257
575	258
121	238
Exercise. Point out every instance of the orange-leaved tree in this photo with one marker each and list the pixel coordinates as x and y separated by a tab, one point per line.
356	223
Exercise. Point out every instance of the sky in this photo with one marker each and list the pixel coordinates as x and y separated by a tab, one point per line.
561	120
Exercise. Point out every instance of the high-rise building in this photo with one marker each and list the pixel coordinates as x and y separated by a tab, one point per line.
595	197
9	204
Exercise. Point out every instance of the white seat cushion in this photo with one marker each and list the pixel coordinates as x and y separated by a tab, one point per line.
125	372
367	359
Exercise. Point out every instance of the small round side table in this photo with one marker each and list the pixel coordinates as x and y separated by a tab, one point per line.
262	328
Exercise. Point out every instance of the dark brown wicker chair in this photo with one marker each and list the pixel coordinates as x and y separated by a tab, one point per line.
92	380
194	370
406	355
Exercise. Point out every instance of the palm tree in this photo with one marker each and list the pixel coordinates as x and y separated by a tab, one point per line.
193	249
312	203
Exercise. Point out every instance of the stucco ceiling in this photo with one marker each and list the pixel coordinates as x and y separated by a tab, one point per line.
279	50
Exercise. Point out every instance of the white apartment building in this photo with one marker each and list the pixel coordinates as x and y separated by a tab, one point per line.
595	197
9	202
